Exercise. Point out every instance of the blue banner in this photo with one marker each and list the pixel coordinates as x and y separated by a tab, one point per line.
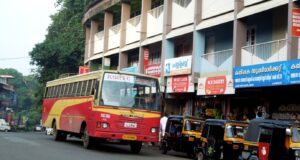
268	74
131	69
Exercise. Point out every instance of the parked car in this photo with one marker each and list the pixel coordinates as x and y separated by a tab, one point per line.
49	131
4	126
38	128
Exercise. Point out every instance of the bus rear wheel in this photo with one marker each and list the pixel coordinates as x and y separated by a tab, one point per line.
135	147
86	139
57	134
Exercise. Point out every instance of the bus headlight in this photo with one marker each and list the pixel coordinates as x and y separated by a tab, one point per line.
297	153
153	130
104	125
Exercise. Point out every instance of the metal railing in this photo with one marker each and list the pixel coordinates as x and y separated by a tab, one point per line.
266	50
217	58
155	12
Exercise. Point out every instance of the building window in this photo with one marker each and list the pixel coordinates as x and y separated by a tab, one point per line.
183	49
154	57
133	60
210	44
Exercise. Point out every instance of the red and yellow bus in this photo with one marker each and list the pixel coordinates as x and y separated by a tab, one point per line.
104	105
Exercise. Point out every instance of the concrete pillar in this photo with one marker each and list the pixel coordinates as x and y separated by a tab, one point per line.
108	22
239	34
94	30
167	27
198	42
87	43
292	42
146	6
125	16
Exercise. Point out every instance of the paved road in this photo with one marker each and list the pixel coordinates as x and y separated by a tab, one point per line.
37	146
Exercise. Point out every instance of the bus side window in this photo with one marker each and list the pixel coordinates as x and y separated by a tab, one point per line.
89	87
74	90
47	92
83	90
55	92
78	91
62	88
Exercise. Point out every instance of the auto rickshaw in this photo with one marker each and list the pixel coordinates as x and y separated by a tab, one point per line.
221	139
181	134
272	140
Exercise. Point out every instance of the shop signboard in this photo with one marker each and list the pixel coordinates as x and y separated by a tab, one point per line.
146	56
180	84
84	69
296	22
131	69
178	66
215	85
268	74
153	69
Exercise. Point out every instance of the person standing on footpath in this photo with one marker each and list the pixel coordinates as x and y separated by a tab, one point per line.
163	123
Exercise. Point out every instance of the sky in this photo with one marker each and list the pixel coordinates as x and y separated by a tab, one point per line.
23	23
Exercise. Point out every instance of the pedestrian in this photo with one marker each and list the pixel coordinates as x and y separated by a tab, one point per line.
163	123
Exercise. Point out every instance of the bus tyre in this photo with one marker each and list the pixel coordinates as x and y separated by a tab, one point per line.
199	156
57	134
86	139
135	147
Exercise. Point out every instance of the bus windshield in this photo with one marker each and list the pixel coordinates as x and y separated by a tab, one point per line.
121	90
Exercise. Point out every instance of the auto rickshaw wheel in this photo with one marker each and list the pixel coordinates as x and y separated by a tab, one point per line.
199	156
164	148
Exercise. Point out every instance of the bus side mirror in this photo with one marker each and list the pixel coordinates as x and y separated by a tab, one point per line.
288	132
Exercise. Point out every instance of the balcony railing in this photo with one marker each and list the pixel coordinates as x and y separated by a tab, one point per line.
218	58
265	52
135	20
155	12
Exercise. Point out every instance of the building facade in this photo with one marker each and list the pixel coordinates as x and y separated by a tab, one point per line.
6	96
198	48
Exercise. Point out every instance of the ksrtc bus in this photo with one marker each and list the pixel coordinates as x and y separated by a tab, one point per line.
105	106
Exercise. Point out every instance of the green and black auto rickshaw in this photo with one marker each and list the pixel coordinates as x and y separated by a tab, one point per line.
182	133
271	140
221	139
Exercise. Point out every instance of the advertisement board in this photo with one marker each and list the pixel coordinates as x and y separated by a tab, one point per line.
215	85
268	74
84	69
178	66
153	69
180	84
131	69
296	22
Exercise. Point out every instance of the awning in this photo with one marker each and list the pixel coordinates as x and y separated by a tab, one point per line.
261	7
180	31
152	40
215	21
130	46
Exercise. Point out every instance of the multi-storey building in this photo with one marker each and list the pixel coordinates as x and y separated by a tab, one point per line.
200	49
6	94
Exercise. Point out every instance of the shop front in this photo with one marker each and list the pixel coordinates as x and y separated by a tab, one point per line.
213	97
180	90
271	87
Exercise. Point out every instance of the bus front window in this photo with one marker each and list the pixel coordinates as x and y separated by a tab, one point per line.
121	90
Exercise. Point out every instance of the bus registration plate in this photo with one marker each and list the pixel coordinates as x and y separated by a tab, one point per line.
130	125
129	137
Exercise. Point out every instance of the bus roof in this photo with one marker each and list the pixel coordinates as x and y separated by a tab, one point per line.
88	76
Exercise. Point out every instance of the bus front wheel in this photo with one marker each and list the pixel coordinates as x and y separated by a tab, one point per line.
136	147
57	134
87	140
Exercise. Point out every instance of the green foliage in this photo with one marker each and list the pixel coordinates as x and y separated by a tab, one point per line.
63	49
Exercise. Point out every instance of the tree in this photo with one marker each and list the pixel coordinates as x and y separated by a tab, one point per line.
63	49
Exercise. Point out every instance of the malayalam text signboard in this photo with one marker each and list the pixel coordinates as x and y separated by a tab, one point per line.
180	84
178	66
268	74
215	85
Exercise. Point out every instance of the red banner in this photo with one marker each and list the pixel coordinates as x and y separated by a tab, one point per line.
153	69
180	83
296	22
264	149
84	69
146	56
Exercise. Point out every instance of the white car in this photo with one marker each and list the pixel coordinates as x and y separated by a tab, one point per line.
49	131
4	126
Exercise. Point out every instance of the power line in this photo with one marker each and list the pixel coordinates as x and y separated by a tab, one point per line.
13	58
